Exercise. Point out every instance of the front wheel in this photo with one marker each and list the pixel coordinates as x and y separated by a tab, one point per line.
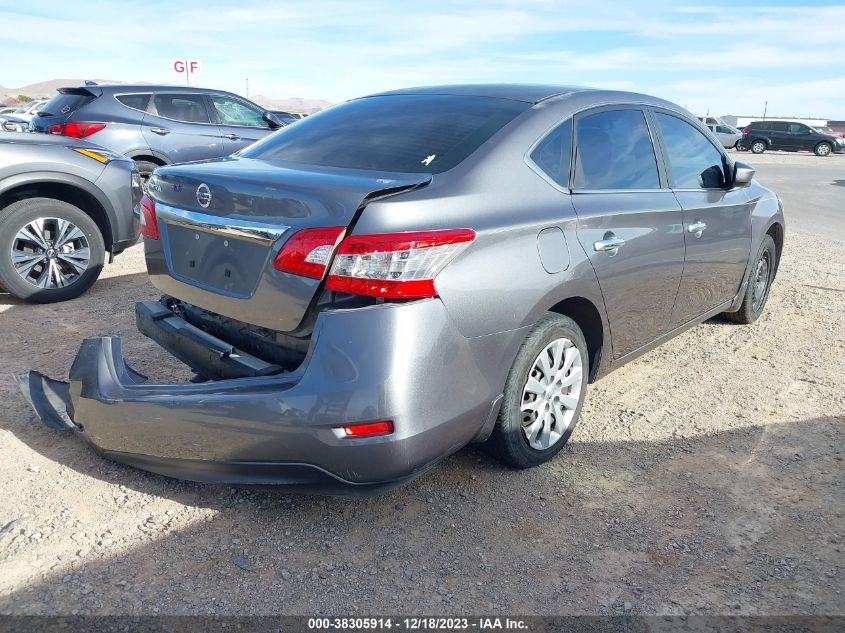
49	250
543	394
823	149
759	284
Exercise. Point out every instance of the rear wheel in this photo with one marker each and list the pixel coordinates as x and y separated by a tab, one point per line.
823	149
543	394
145	170
757	290
49	250
758	147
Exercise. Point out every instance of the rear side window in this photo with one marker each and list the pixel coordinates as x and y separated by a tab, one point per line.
695	162
136	102
778	127
188	108
614	151
552	155
400	133
65	103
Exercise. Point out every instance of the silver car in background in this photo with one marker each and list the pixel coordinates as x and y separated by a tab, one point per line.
370	289
728	136
65	207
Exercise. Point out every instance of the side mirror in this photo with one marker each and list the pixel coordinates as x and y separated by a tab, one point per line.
743	174
272	119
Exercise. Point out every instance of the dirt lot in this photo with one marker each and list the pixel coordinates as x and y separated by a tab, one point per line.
706	477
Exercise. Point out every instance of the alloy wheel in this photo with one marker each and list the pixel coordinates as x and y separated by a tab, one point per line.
551	394
759	147
823	149
50	253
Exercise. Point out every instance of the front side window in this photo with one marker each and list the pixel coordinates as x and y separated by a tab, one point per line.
231	111
401	133
552	155
695	162
188	108
614	151
796	129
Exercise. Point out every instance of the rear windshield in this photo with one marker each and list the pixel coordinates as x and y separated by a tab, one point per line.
399	133
63	104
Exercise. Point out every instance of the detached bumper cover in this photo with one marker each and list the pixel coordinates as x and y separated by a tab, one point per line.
406	363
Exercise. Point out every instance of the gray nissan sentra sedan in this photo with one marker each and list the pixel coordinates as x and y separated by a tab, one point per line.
369	290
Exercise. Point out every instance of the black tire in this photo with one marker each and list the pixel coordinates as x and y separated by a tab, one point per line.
758	146
823	149
508	439
15	217
145	169
754	302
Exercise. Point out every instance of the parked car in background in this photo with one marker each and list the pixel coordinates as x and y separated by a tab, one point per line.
65	206
381	283
28	110
789	136
13	124
156	125
286	117
728	136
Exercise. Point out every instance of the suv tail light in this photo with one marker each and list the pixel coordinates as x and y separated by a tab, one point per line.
76	130
308	252
745	132
149	222
395	265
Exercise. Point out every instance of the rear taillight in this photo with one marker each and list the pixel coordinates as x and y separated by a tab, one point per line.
745	132
149	222
308	252
395	265
76	130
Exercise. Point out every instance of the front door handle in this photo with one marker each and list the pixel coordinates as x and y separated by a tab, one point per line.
161	131
610	244
232	137
696	227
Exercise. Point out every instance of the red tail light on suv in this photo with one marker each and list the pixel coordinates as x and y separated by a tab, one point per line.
76	129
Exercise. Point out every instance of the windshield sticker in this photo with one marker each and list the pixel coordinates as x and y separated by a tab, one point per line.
427	160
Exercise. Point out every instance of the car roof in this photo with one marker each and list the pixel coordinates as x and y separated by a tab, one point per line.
129	88
529	93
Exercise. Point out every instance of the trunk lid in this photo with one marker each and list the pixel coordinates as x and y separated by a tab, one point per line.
222	223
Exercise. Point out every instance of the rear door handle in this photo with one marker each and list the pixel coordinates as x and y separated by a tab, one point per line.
610	245
232	137
696	227
161	131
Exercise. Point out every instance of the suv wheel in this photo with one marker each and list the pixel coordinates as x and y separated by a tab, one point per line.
49	250
145	170
823	149
543	394
758	147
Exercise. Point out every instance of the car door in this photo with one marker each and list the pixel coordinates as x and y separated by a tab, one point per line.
778	137
798	137
178	126
241	122
716	217
629	223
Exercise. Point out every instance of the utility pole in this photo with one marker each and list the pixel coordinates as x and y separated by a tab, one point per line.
765	108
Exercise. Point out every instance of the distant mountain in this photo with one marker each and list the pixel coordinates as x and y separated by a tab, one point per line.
48	89
292	104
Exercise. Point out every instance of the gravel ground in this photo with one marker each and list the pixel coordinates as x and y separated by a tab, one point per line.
706	477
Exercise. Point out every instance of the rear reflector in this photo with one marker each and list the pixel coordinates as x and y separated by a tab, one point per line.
395	265
308	252
370	429
76	130
149	222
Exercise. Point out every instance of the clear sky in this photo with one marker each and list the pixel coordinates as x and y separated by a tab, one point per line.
717	57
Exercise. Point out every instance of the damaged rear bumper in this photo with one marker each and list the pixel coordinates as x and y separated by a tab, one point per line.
401	362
